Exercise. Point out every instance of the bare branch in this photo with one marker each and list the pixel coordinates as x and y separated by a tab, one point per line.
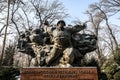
2	28
12	18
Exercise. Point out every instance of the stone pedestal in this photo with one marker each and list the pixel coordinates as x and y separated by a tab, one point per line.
75	73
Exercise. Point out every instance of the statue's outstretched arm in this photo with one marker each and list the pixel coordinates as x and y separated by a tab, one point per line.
77	28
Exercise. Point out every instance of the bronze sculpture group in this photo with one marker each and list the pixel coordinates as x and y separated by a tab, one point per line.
56	46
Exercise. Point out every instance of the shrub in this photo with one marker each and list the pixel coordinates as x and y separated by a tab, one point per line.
117	75
116	54
8	73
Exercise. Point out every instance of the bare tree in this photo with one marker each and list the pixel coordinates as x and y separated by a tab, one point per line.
108	26
27	13
99	13
7	23
48	11
95	21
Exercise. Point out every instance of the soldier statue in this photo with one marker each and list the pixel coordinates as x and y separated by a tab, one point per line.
59	45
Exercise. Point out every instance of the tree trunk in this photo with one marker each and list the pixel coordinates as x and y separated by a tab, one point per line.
7	23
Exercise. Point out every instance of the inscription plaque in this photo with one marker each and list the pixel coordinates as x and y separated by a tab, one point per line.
81	73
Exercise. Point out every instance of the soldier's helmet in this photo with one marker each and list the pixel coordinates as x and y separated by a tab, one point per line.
61	22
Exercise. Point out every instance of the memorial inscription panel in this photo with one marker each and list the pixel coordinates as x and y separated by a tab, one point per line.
81	73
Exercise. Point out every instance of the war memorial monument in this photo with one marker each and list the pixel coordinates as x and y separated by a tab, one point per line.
55	52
